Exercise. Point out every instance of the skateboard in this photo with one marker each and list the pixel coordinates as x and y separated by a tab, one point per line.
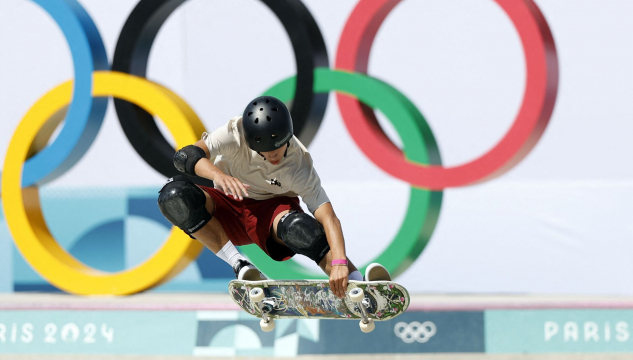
368	301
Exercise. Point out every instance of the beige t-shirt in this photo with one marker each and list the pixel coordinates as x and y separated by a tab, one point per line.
293	176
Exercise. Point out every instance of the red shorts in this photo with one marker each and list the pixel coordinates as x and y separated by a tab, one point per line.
249	221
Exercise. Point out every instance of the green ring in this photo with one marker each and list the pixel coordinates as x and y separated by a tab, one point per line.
419	146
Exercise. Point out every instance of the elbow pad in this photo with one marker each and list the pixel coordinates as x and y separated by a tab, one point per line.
186	158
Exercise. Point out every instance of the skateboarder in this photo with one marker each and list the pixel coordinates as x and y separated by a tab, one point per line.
259	169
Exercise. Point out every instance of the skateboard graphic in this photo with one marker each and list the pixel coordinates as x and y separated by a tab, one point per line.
368	301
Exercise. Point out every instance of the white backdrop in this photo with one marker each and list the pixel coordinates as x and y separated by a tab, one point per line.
559	222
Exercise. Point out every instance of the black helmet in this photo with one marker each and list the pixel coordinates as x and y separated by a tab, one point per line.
267	124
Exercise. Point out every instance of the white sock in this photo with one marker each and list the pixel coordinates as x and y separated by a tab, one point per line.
230	254
355	275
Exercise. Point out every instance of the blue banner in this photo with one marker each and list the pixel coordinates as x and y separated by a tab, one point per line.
97	332
228	333
557	331
412	332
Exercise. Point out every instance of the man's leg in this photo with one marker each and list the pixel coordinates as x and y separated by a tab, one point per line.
213	236
191	209
374	271
326	262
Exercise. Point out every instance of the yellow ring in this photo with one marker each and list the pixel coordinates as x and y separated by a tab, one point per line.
23	211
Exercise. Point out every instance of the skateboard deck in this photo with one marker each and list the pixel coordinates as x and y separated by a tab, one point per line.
383	300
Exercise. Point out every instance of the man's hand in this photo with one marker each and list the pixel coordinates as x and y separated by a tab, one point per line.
206	169
338	280
231	186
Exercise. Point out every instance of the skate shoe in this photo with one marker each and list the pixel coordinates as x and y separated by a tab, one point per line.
376	272
244	270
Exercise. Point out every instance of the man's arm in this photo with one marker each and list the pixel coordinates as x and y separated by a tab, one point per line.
206	169
334	234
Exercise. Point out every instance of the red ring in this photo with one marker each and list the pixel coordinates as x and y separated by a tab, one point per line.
534	114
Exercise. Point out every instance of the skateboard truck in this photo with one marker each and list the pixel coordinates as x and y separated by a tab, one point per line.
257	296
357	295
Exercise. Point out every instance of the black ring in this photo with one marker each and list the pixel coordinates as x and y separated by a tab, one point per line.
132	52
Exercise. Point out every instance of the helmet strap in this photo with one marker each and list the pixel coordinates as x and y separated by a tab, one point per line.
285	153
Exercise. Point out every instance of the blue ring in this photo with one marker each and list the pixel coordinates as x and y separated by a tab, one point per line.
85	114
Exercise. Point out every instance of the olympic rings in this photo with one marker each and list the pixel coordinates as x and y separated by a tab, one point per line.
132	52
415	331
22	206
534	114
421	167
85	115
424	205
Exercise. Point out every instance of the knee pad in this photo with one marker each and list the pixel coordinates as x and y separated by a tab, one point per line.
183	204
303	235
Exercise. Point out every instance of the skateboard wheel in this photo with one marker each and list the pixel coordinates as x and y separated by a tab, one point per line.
356	295
256	294
369	327
267	326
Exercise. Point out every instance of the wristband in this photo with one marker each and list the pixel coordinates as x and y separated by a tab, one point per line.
340	262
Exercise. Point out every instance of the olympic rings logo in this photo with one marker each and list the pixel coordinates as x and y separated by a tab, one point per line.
30	162
415	331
